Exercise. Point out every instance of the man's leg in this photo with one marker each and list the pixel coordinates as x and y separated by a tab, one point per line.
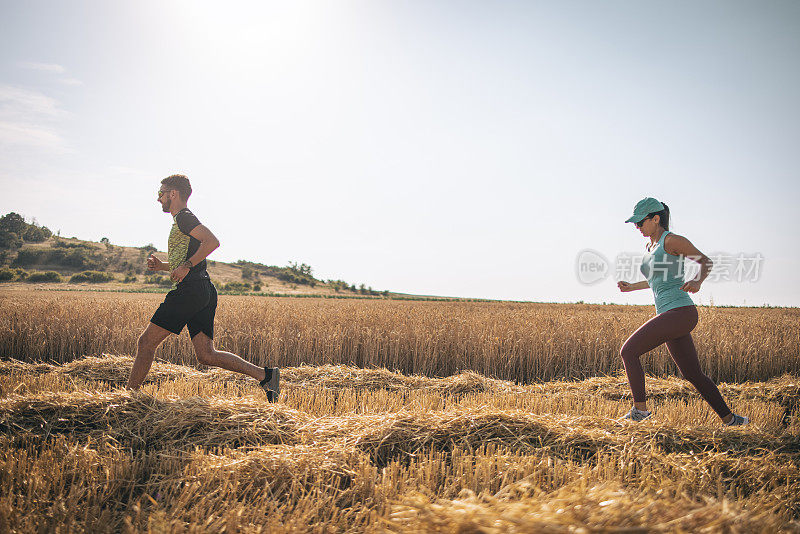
208	355
146	347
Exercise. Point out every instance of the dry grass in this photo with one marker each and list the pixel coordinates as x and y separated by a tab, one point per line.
503	418
370	450
524	343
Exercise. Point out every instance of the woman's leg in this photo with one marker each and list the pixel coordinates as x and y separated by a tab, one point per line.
660	329
683	352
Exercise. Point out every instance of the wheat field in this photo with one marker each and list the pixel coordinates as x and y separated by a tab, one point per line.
393	417
520	342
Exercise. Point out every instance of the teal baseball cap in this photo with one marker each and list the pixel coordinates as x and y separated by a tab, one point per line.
643	208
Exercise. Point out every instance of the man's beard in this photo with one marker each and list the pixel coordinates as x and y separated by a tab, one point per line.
165	205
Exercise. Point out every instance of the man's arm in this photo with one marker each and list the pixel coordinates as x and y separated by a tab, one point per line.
208	244
155	264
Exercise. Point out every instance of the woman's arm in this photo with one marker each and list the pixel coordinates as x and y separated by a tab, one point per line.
680	246
627	286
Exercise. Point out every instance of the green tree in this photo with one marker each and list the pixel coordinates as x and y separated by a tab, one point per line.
34	234
13	222
10	240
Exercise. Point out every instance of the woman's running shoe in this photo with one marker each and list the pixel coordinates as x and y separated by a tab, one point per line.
738	420
636	415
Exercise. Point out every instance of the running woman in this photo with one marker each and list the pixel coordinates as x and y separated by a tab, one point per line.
676	315
193	302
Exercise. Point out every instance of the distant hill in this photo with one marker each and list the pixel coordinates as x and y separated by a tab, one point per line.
30	253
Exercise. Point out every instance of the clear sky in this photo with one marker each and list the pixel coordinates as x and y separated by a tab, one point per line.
452	148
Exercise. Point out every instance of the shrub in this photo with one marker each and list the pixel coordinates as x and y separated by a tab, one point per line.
158	280
293	277
256	287
129	279
75	257
30	256
78	258
302	269
10	240
338	285
7	275
13	222
93	277
62	243
36	234
237	286
10	275
292	273
47	276
14	229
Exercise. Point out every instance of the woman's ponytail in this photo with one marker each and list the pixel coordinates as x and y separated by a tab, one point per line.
664	216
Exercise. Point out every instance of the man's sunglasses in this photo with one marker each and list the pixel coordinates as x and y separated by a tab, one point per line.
160	192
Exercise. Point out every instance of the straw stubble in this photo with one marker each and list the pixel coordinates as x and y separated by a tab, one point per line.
380	451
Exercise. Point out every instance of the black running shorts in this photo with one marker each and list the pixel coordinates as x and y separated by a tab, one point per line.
192	304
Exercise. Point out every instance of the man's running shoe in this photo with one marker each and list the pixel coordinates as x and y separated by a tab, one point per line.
636	415
738	420
271	383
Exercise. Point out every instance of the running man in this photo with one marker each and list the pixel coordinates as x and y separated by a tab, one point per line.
676	313
193	302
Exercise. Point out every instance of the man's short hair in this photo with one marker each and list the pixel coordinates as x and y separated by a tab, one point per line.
179	183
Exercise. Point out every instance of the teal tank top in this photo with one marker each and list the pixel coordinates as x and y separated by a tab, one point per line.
664	273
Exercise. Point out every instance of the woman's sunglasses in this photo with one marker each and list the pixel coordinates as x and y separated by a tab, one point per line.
640	223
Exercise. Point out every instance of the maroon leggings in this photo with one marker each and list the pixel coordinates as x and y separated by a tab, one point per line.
672	327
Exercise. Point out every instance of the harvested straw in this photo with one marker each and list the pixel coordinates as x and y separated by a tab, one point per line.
117	369
141	420
784	390
277	472
167	460
396	435
574	508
